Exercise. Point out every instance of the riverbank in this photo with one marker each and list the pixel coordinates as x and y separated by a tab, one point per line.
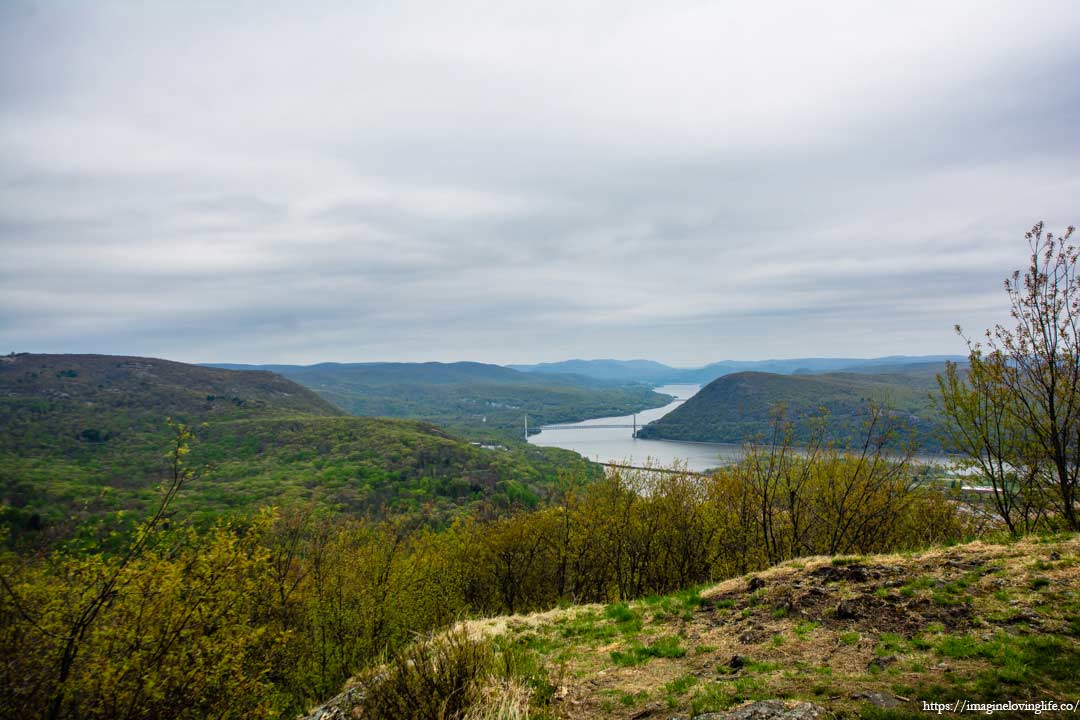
617	445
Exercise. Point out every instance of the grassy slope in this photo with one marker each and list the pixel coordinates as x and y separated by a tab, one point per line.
477	400
737	407
979	622
84	437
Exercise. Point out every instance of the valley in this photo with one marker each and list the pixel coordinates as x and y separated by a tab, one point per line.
334	542
539	361
483	402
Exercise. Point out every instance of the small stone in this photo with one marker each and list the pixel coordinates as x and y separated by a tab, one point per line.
756	583
736	662
877	699
770	710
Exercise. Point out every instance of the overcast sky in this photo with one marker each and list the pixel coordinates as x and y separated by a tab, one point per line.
300	182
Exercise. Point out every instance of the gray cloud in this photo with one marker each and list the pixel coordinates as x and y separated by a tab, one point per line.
275	183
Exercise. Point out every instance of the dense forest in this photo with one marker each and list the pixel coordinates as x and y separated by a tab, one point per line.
262	616
83	438
742	405
147	572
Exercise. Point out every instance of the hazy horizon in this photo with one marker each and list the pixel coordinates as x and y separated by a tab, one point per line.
674	366
607	359
286	183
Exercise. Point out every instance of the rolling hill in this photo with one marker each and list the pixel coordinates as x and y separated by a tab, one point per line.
620	370
648	371
738	407
84	437
487	402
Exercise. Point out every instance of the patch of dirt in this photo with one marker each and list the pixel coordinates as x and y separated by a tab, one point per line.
846	598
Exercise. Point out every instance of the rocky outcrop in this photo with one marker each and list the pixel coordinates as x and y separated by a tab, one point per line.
338	707
770	710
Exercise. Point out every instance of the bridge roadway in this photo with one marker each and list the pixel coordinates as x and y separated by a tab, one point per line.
666	471
583	427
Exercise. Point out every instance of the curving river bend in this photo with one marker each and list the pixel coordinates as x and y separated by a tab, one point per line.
618	445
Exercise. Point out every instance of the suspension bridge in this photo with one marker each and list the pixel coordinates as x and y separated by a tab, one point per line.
583	426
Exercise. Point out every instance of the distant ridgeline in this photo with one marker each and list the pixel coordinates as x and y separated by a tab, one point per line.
484	402
737	407
84	439
649	371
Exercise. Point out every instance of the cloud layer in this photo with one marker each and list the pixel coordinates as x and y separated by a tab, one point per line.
261	182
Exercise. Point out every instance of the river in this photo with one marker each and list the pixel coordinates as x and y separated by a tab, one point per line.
618	444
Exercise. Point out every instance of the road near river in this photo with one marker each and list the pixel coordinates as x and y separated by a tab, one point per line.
617	445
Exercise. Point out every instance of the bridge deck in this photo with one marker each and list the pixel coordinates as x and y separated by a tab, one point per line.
666	471
582	427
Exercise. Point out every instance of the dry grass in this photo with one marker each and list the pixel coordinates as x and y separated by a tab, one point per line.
505	700
481	628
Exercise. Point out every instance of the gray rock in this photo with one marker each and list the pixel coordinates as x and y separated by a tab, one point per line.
878	699
339	707
770	710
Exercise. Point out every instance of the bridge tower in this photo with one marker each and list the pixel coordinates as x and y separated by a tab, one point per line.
526	427
635	426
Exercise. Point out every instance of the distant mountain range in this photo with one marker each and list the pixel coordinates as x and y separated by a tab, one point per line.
651	372
647	371
484	402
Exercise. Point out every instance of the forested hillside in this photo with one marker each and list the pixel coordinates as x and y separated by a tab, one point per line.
741	406
84	438
480	401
